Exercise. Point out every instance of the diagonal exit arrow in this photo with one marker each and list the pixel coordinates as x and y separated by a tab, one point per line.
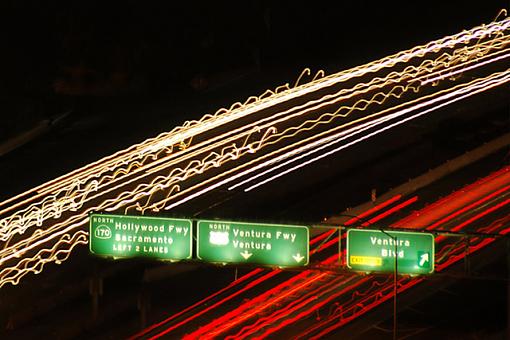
424	258
246	255
298	257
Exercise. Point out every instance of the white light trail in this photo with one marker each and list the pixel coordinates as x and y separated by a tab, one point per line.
169	163
494	84
478	32
483	86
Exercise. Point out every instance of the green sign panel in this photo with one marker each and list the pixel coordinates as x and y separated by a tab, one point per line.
140	236
373	250
266	244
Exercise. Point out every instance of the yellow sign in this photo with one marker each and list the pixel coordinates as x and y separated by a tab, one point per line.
366	260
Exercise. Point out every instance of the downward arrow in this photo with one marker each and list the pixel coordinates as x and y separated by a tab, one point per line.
424	258
246	255
298	257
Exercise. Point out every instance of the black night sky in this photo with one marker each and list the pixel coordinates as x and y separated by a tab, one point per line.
58	53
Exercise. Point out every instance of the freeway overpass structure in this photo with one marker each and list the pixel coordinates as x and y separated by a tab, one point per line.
251	146
322	299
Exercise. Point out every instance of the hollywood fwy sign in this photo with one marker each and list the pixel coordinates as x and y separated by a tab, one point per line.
140	236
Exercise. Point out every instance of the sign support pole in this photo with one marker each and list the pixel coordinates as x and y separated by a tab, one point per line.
395	290
395	276
508	285
340	246
95	290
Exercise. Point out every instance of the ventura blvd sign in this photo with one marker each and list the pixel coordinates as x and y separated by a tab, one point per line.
373	250
140	236
266	244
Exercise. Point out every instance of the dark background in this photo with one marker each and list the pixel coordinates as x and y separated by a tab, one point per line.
128	70
60	55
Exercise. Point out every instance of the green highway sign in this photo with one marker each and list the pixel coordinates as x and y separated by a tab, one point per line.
265	244
373	250
140	236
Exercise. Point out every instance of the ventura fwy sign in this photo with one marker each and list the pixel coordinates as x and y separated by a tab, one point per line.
140	236
266	244
373	250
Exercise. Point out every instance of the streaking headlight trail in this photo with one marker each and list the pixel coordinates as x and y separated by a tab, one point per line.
251	143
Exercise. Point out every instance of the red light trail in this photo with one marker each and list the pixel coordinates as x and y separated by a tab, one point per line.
258	140
259	318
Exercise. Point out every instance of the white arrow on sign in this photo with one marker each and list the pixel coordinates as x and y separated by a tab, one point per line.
424	258
298	257
246	255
